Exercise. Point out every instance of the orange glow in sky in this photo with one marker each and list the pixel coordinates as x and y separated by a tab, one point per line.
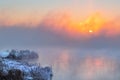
93	24
64	24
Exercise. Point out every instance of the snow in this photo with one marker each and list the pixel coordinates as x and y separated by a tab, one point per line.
44	73
19	54
39	72
4	54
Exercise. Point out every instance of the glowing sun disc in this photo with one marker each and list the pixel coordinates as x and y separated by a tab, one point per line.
90	31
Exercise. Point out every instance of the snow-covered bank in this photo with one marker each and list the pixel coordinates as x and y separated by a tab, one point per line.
19	54
11	69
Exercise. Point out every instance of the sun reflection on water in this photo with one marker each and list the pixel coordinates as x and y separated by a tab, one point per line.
69	65
95	68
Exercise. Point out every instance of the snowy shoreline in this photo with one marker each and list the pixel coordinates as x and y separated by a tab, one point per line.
10	67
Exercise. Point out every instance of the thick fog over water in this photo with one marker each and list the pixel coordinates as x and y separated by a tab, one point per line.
81	64
94	59
80	39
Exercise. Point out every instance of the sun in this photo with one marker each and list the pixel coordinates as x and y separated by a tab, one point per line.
90	31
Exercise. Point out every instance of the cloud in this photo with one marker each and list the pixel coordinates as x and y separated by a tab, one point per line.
94	25
59	29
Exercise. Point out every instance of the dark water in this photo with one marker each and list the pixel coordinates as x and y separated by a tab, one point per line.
79	64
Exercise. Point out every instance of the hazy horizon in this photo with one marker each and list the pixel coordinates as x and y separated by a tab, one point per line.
80	39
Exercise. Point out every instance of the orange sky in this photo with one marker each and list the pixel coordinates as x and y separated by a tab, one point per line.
65	22
93	25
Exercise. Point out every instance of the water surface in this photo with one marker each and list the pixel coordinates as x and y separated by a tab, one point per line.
81	64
